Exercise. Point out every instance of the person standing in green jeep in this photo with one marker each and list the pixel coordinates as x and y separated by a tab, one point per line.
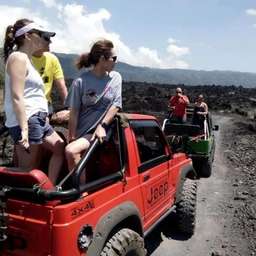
200	112
177	105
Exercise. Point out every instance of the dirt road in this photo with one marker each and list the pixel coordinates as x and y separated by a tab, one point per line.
218	232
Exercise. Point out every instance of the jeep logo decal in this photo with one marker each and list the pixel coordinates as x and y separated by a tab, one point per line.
85	208
156	192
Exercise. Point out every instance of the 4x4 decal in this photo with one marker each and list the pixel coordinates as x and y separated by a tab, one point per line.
85	208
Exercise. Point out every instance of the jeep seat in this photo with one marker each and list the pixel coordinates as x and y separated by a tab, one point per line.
13	178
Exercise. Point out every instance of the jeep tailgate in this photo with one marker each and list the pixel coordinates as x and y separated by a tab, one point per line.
29	230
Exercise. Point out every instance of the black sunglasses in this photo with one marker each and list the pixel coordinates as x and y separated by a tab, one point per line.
114	58
41	34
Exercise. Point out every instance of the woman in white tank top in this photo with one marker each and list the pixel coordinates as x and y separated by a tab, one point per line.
25	103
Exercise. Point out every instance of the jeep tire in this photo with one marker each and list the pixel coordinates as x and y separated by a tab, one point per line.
186	208
203	167
126	242
206	168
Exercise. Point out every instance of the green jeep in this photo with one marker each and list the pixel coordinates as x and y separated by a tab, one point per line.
198	143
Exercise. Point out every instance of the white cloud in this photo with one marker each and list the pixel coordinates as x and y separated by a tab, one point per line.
177	51
148	57
171	40
254	25
77	28
51	4
251	12
9	15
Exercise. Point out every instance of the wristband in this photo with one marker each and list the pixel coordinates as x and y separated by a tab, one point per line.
104	125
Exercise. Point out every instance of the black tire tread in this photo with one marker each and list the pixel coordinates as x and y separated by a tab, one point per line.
186	208
124	240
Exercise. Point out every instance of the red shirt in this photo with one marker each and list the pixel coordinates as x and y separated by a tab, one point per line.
179	104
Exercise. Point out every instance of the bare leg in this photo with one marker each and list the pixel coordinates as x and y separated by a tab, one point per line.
27	161
56	145
75	149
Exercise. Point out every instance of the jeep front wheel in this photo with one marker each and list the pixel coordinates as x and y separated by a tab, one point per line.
126	242
186	208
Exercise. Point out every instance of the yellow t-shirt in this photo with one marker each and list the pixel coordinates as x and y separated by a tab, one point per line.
50	69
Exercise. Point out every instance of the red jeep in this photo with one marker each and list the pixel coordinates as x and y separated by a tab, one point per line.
120	190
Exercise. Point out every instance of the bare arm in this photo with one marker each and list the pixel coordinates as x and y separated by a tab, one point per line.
100	131
62	89
172	103
72	124
205	112
17	70
185	99
205	109
110	115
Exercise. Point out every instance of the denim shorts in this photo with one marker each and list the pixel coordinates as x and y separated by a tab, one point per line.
38	128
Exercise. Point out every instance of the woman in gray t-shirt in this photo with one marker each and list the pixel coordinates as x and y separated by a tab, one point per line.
94	99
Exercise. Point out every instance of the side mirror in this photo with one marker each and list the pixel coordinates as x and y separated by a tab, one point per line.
215	128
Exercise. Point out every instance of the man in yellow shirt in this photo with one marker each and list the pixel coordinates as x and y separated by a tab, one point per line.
48	65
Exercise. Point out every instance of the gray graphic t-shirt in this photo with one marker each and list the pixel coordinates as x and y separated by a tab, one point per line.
92	97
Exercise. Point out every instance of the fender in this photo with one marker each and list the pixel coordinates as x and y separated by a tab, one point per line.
187	171
110	221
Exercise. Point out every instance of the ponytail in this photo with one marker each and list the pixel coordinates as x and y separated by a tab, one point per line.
9	42
99	48
84	61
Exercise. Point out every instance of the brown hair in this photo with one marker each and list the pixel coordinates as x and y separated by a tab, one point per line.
10	41
100	48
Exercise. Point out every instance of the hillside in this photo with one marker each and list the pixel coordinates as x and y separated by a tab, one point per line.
169	76
163	76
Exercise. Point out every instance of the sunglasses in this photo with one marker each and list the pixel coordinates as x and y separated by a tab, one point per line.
113	58
42	35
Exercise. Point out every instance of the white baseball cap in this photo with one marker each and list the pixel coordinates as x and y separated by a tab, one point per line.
33	26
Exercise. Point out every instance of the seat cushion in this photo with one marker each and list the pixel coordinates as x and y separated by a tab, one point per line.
14	178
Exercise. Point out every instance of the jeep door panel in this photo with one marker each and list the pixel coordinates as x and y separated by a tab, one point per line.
153	168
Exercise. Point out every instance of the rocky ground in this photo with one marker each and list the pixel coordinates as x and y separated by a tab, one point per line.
239	146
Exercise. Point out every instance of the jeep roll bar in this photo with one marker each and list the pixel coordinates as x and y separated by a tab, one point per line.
36	193
104	180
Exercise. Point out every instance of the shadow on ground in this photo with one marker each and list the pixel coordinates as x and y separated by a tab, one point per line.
168	229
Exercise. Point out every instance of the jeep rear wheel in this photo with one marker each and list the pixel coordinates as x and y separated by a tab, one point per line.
126	242
186	208
206	168
203	167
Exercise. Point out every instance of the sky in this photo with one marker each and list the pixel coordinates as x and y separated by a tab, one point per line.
188	34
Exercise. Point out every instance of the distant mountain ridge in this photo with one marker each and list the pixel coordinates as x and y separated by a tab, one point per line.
162	76
168	76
